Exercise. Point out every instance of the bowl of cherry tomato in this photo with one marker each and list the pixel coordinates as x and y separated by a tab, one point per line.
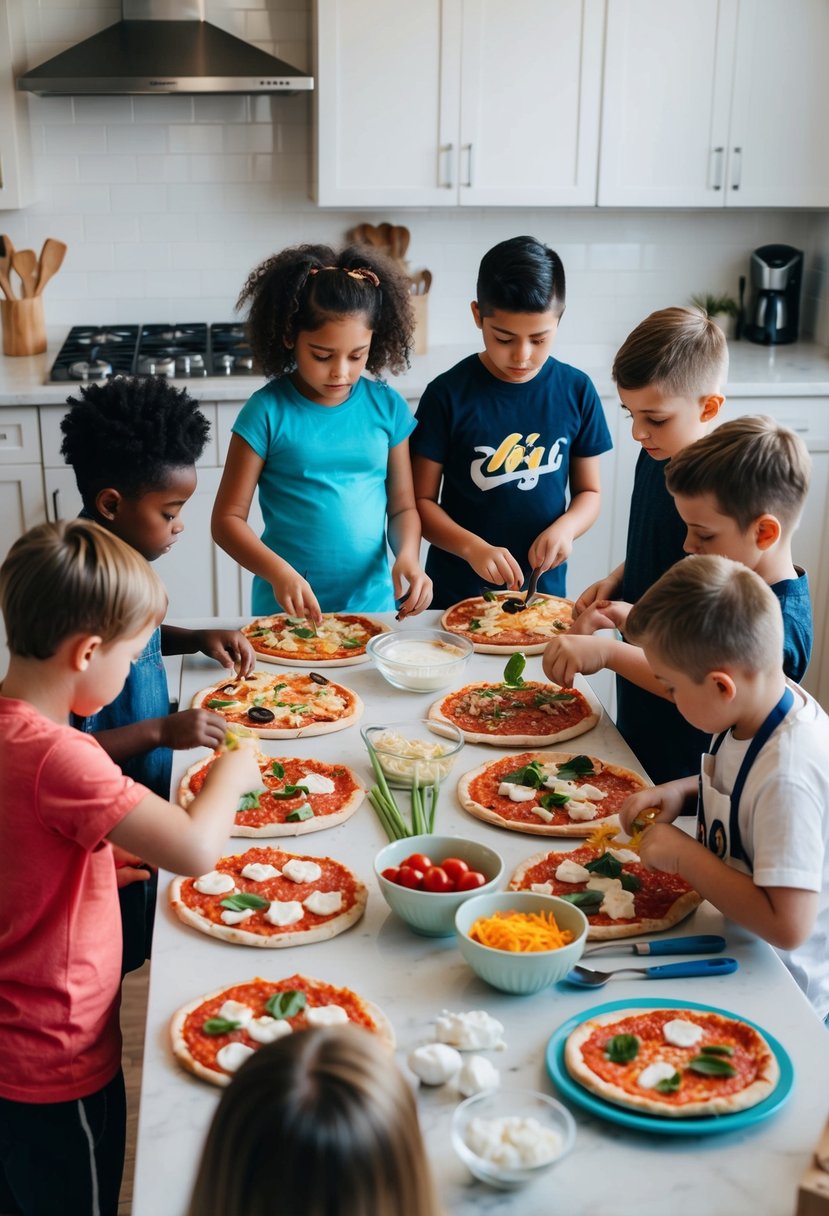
425	879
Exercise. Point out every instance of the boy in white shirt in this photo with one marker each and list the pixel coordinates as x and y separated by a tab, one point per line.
712	632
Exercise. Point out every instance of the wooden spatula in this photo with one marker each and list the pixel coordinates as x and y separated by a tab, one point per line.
24	263
51	260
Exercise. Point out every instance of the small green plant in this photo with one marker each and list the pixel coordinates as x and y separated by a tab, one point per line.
724	305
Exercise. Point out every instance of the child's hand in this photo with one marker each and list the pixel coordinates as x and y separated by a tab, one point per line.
495	564
237	766
193	728
129	868
602	614
605	589
296	597
412	586
228	647
669	799
664	847
551	547
565	657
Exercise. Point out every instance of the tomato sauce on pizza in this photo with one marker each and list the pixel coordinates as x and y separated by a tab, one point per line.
534	712
339	638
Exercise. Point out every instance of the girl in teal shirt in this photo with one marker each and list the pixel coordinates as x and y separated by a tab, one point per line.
327	447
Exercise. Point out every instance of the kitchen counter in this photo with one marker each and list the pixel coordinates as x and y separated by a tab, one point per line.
611	1169
755	371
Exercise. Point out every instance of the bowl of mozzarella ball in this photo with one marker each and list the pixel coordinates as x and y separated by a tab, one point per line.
420	660
508	1138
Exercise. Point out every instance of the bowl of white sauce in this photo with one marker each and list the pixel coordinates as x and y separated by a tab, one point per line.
511	1137
420	660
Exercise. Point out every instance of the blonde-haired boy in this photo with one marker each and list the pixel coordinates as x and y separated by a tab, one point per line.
670	372
712	631
79	605
740	492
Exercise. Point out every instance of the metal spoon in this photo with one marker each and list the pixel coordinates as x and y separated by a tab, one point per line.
585	978
704	943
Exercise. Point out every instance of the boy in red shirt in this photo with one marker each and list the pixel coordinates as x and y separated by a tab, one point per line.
79	606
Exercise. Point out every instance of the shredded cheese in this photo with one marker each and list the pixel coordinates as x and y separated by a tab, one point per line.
520	932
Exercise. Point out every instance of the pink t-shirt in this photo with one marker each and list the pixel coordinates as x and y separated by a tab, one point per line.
60	928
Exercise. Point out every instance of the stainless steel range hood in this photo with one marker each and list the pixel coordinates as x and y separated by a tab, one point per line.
163	46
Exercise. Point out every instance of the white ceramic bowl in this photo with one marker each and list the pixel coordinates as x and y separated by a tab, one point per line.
507	1104
420	660
428	912
526	972
433	751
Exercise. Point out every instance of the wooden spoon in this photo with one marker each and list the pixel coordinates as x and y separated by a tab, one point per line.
24	262
6	249
51	260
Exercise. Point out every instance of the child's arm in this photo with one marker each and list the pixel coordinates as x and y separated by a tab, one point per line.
607	588
411	583
227	646
234	534
782	916
188	842
180	731
555	544
567	656
492	563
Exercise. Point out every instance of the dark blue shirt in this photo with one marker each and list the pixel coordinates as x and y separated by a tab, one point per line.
505	451
793	594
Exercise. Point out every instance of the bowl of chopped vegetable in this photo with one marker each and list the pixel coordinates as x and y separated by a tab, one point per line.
425	879
420	751
511	1137
420	660
518	941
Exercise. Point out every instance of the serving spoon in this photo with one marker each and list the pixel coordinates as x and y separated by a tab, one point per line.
585	978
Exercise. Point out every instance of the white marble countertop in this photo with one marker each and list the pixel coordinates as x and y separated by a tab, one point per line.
801	370
611	1169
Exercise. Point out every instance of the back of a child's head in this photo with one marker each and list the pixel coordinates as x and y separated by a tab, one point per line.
752	466
521	275
302	288
679	351
319	1123
128	432
64	580
708	614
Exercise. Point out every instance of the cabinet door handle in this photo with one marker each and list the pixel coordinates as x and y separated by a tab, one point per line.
446	150
56	505
716	167
467	148
736	167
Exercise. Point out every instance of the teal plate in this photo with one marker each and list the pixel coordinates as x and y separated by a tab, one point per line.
704	1125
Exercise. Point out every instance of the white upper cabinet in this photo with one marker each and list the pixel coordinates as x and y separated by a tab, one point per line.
713	103
457	102
15	149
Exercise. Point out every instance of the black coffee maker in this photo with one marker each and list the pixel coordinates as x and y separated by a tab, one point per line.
776	277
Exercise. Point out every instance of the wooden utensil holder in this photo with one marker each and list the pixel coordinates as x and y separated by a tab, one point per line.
24	326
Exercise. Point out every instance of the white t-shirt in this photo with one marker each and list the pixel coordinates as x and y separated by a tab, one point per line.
784	824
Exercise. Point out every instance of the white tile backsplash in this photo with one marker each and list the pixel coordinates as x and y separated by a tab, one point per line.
166	204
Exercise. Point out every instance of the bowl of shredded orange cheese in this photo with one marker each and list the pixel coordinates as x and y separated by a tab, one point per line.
519	941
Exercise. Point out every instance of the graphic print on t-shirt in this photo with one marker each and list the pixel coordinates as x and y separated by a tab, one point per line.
516	459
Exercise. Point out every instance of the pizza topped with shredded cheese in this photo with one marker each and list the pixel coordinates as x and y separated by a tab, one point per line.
282	706
494	630
338	641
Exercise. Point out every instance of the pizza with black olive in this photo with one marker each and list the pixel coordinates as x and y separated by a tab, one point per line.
497	622
283	706
339	640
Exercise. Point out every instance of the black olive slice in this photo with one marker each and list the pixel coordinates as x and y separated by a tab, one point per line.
258	713
317	678
513	606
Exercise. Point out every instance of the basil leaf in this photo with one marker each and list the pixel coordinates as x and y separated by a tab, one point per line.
579	766
559	625
717	1049
606	865
474	624
670	1085
530	774
630	882
302	812
257	633
295	707
250	801
218	703
553	799
277	769
352	644
489	596
220	1026
588	901
487	692
290	791
549	698
622	1048
243	900
513	672
304	633
286	1004
712	1066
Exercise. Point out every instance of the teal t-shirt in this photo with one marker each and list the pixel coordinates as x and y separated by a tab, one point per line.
322	490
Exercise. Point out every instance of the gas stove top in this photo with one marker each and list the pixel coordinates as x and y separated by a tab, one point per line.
185	351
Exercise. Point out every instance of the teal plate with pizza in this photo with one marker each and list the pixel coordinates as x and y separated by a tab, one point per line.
692	1126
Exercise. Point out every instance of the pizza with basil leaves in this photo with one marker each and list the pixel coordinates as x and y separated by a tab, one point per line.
296	795
267	897
338	641
213	1035
282	706
497	623
676	1063
548	793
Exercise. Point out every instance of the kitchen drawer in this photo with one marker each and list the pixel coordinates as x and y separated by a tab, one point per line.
51	436
19	436
806	416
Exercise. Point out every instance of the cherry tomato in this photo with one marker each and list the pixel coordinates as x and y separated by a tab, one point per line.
391	873
437	881
455	867
470	880
408	876
417	861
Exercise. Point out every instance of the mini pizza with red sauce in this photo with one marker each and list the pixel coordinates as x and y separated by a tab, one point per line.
676	1063
493	630
617	894
213	1035
267	897
548	793
282	706
338	641
531	714
296	795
